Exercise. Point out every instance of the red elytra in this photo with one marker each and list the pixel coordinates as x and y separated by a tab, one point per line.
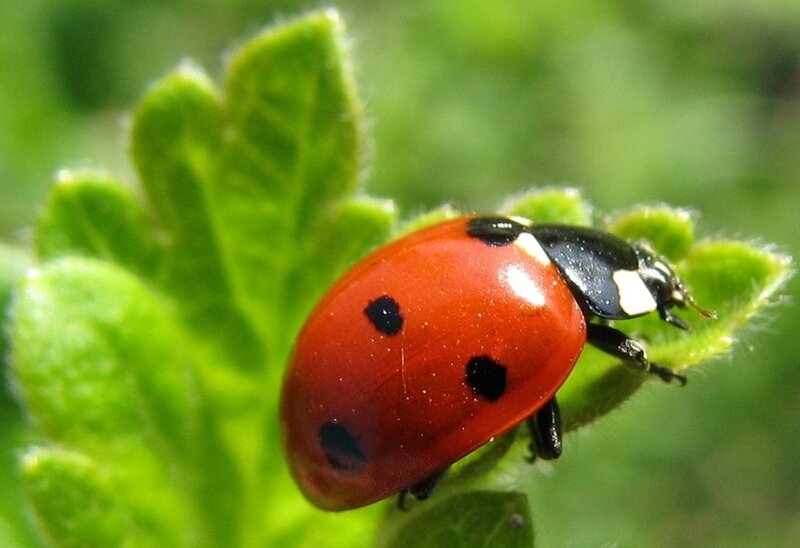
371	408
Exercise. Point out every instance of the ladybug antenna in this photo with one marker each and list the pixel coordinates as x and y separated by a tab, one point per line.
689	300
705	312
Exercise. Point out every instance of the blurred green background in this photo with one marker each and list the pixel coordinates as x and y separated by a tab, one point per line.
692	104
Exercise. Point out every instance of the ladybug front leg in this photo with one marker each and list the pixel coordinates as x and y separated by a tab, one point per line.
631	352
545	427
671	318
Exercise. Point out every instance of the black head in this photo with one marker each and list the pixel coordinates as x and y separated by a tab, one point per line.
613	278
665	286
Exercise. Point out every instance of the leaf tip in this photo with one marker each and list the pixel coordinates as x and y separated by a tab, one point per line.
66	177
550	204
30	461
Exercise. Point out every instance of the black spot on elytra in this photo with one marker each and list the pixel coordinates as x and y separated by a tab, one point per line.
486	377
494	231
341	449
384	314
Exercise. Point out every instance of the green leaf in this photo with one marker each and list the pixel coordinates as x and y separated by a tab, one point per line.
428	218
114	381
669	230
550	205
177	134
292	148
75	502
249	188
300	525
92	214
14	527
13	264
735	280
90	382
479	518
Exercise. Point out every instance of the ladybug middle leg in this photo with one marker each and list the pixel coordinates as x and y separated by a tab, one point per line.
631	352
545	428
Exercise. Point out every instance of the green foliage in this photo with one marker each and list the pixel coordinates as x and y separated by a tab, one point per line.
13	433
150	337
479	518
554	205
93	215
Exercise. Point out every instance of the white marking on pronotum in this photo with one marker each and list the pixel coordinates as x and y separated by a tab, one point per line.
634	297
522	285
528	243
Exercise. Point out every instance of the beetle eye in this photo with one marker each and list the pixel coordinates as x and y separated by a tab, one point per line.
665	284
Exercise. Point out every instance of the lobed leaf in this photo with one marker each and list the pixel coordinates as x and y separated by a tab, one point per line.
122	396
478	518
88	383
176	138
13	263
669	230
75	503
292	148
80	501
92	214
14	528
550	205
427	218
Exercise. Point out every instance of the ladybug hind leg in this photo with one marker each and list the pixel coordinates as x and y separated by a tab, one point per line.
631	352
545	428
421	490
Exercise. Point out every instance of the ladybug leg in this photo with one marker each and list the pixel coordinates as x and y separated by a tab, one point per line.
545	427
421	490
618	344
401	500
672	319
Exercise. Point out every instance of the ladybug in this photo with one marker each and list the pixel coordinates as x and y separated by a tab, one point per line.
439	342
